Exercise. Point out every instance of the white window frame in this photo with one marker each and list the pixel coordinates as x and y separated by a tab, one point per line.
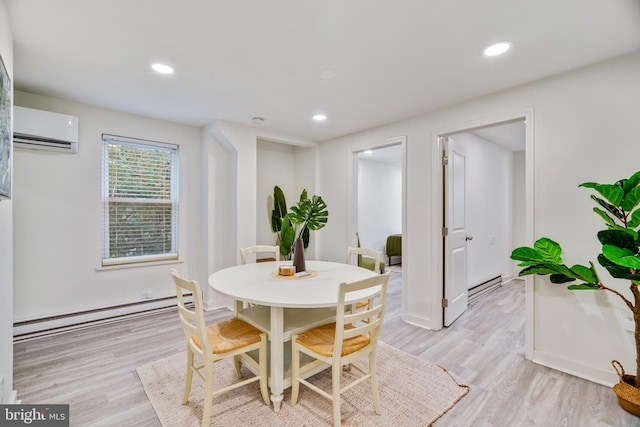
108	139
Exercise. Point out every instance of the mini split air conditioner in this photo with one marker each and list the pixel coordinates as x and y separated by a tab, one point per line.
44	130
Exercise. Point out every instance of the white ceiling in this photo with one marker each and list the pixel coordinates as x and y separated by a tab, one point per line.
238	59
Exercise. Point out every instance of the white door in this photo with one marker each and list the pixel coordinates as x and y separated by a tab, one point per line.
454	234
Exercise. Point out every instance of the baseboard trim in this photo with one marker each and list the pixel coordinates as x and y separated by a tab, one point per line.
508	277
37	328
607	378
418	321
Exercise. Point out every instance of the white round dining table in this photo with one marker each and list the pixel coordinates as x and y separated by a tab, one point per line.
286	305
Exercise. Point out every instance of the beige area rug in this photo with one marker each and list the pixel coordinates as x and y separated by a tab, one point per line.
413	392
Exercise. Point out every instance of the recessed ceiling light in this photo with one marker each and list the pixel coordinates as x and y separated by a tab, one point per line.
368	152
319	117
162	68
497	49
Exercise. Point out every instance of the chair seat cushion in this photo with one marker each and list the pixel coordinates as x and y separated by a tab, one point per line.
394	245
321	340
362	304
230	335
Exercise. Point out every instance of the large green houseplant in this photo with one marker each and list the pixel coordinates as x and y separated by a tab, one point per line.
307	215
617	205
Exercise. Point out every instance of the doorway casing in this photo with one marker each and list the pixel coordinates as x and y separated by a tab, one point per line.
437	274
353	197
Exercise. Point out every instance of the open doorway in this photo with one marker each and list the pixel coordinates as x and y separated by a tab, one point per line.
379	203
483	210
380	198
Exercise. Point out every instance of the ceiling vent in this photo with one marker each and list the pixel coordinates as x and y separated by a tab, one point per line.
44	130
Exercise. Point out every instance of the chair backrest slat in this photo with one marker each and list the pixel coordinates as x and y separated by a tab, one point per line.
368	252
363	315
273	250
192	319
368	320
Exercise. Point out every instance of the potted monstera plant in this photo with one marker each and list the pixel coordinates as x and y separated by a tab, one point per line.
617	205
307	215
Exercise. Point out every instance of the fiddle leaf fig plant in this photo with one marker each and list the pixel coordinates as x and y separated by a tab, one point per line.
617	205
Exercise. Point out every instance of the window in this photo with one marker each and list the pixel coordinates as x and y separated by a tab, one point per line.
140	197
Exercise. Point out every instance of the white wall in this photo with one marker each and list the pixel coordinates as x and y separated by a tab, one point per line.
290	167
585	129
518	209
6	239
231	151
275	167
379	203
219	215
489	172
58	217
306	177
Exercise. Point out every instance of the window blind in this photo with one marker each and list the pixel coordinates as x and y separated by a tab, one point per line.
140	196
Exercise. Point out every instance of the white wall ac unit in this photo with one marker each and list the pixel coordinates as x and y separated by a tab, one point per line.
44	130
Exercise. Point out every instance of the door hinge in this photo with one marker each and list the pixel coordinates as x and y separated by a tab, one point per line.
445	303
445	231
444	141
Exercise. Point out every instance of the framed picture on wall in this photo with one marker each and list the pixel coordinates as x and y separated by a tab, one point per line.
5	133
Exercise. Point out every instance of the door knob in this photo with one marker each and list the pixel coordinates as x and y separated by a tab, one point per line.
468	238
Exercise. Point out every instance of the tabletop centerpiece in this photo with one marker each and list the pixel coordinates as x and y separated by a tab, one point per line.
293	228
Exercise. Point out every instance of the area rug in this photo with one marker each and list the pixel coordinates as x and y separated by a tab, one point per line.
413	392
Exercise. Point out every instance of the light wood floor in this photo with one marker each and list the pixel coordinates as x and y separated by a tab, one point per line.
94	369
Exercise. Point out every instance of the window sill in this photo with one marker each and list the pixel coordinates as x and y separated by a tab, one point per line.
139	264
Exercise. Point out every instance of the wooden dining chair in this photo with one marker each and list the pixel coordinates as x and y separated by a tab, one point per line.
367	258
212	343
274	251
353	336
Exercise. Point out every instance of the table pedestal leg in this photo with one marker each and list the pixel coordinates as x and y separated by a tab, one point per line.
276	400
277	356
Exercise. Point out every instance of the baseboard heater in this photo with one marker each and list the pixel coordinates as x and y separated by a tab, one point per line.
37	328
483	288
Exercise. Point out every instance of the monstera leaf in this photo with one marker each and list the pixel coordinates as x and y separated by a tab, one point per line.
307	215
311	214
